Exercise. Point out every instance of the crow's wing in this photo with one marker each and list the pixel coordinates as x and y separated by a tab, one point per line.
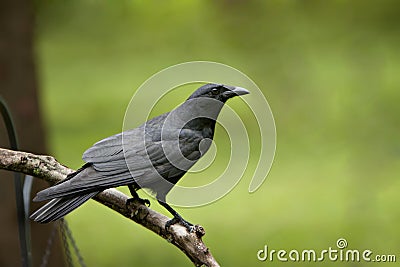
134	146
106	166
150	161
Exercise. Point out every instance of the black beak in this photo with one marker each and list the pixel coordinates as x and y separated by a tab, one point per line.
235	91
240	91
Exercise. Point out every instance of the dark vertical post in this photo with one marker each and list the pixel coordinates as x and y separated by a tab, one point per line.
18	86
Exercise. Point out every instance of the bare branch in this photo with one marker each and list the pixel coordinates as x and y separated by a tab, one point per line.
48	169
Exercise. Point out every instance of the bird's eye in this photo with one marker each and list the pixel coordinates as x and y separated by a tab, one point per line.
215	91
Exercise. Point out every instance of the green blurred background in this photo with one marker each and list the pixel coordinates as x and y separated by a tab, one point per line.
330	72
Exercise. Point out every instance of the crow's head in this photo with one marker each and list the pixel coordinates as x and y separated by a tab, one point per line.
202	108
218	91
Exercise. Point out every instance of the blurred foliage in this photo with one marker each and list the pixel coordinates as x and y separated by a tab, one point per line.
330	71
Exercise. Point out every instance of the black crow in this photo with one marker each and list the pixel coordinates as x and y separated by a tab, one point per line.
154	155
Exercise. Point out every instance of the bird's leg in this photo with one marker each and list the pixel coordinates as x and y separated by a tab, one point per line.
135	196
177	218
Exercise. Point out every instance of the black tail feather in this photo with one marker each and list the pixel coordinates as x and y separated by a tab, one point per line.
59	207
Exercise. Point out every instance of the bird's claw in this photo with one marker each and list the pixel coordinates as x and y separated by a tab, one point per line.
189	227
145	202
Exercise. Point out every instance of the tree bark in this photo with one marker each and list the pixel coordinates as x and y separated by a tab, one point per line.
47	168
18	86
